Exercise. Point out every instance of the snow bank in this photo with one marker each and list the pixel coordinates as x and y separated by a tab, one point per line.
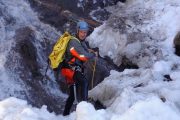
86	111
142	31
150	109
13	109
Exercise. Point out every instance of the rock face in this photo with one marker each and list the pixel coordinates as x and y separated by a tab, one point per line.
29	71
25	46
50	10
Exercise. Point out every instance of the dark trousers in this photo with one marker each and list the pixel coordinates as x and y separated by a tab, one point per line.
82	86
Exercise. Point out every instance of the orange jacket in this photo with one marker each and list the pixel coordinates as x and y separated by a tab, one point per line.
76	53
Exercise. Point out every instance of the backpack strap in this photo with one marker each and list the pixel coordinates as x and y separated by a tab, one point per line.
72	37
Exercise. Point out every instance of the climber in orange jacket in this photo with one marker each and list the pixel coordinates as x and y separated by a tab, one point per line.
76	54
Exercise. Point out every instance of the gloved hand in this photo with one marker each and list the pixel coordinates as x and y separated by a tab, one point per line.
96	53
92	51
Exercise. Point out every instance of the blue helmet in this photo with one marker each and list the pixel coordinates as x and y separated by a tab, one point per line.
82	25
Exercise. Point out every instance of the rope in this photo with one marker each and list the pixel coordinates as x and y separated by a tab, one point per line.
94	69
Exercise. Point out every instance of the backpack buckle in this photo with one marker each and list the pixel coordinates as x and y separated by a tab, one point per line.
77	68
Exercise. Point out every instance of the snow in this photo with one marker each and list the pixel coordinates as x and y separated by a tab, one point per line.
86	111
150	108
13	109
144	110
143	31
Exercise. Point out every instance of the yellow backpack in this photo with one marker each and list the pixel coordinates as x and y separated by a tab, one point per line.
57	55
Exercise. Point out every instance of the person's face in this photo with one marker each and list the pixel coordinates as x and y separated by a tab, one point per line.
82	34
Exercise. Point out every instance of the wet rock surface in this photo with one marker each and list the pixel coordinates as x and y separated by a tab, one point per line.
29	71
49	11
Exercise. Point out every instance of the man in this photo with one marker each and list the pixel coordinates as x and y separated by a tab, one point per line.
76	54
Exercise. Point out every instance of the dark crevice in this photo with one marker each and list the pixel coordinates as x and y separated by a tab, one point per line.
139	85
110	61
177	44
97	104
127	64
167	78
